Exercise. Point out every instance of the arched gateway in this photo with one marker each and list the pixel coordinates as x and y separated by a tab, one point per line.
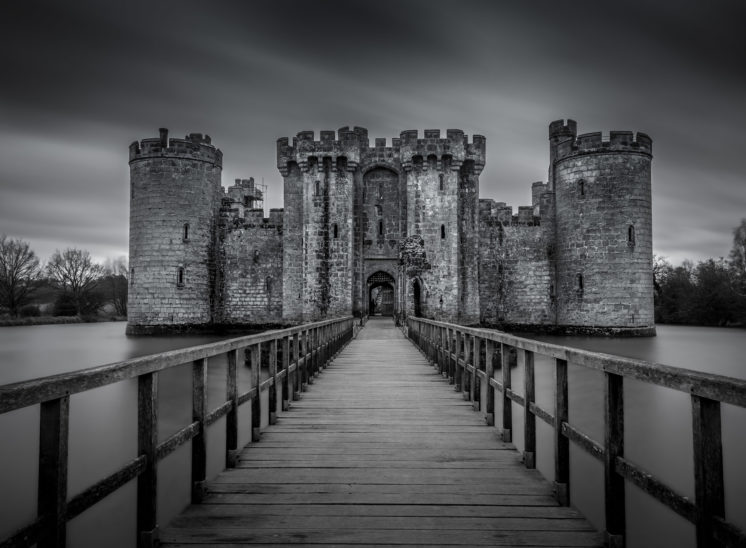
381	292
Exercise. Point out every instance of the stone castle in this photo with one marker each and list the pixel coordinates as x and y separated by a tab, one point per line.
395	230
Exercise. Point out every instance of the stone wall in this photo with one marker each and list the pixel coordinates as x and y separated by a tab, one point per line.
252	281
516	273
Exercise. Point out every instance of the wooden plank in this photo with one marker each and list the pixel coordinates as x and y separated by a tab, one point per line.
54	426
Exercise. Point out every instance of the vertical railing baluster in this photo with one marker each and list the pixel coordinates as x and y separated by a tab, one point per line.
507	408
457	373
273	387
54	426
529	419
286	378
199	442
256	405
489	370
474	361
468	384
451	356
297	378
231	419
613	448
561	443
147	445
708	467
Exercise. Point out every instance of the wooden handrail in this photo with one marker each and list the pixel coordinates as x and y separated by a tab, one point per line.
440	343
313	346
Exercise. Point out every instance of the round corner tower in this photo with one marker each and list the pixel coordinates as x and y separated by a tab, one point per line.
603	230
175	197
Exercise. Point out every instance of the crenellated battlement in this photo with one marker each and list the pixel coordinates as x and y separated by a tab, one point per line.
617	141
354	146
194	146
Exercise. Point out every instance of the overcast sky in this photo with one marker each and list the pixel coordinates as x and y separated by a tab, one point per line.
80	81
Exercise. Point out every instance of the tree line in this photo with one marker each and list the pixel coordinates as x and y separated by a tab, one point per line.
71	280
711	292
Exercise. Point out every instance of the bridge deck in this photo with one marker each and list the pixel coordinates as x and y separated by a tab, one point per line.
380	452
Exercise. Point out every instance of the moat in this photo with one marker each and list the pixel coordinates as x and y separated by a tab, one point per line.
104	424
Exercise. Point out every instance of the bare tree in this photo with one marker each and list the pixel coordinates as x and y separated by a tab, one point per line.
19	273
73	271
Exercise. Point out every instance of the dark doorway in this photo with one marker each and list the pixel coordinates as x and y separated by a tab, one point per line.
381	294
417	295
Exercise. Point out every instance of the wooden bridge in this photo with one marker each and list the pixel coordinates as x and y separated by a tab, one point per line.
385	448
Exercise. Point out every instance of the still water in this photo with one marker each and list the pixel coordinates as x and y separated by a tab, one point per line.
103	426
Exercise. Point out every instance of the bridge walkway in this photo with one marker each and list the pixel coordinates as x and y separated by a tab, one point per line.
380	451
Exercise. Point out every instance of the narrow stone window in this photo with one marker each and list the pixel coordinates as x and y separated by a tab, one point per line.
256	255
246	201
318	188
631	236
180	277
380	228
442	232
500	234
268	284
132	276
336	231
441	182
581	188
380	191
580	282
186	232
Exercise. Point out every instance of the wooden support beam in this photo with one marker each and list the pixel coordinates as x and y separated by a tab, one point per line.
256	406
708	468
529	419
286	390
273	388
54	427
147	446
614	491
297	373
506	403
561	443
199	442
489	369
231	419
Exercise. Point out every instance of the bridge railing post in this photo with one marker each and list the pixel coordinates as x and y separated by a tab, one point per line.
273	388
297	380
489	371
561	443
255	353
286	378
231	419
147	446
457	357
507	408
199	442
529	419
708	468
468	384
613	448
54	426
476	358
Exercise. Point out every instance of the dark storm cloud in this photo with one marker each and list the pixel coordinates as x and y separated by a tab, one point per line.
81	81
